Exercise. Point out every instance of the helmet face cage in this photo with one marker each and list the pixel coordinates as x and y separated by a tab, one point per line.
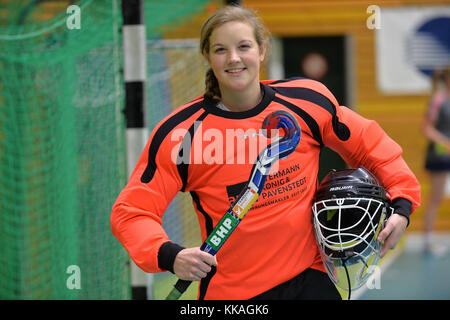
346	229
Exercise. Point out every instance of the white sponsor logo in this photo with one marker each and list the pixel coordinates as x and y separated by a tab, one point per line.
341	188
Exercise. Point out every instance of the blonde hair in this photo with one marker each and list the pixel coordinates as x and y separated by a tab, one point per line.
220	17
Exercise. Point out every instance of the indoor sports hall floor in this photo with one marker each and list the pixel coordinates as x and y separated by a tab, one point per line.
413	274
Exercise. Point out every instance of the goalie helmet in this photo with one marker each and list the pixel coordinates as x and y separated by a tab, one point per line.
349	211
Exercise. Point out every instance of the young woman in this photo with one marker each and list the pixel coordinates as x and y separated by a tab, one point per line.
205	147
437	129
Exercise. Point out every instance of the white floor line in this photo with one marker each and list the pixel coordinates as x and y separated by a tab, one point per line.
383	265
413	243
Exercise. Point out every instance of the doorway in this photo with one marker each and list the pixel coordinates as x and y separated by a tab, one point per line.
323	59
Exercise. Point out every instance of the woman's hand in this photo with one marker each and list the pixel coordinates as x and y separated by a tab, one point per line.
392	232
193	264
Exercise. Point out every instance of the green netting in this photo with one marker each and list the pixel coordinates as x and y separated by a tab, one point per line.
62	141
164	16
62	155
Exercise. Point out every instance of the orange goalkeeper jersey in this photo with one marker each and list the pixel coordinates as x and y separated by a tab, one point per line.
210	152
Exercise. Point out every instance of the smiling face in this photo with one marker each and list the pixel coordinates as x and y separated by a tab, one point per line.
235	57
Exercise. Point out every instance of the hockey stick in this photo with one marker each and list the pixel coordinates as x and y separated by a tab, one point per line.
280	149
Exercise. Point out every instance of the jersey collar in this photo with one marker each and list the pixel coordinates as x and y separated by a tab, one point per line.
268	95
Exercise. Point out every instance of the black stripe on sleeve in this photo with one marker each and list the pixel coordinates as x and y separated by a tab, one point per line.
310	95
208	219
310	122
205	282
339	128
161	134
185	150
209	228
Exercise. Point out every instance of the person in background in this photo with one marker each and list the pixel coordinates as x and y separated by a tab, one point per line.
436	127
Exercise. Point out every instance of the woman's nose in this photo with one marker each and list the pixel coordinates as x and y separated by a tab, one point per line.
233	56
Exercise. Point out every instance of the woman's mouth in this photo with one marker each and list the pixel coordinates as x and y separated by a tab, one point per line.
235	71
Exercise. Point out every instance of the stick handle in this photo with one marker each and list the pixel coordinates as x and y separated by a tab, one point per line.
181	285
179	288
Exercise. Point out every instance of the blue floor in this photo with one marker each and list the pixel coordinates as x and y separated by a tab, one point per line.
415	275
